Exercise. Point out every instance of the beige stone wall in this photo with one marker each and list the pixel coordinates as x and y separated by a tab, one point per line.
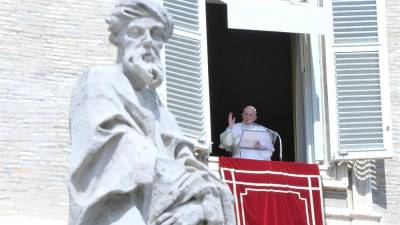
388	192
44	46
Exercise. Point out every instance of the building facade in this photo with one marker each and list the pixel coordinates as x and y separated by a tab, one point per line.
345	61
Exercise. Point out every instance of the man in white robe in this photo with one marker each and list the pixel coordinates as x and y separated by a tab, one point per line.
130	163
233	137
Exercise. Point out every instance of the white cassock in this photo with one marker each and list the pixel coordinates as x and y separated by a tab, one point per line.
231	137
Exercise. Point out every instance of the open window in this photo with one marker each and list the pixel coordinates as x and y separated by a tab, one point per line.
249	67
270	59
339	83
186	59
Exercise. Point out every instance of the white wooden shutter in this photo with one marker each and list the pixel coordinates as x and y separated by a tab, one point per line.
187	70
361	114
355	22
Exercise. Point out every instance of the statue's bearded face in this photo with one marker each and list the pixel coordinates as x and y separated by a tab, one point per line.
141	43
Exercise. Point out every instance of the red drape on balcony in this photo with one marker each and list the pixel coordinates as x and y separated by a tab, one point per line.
274	193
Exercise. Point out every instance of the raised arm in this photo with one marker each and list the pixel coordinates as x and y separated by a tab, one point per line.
231	120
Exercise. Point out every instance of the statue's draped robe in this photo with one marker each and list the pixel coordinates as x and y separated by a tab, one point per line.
124	165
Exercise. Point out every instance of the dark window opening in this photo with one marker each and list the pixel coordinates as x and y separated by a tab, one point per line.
249	68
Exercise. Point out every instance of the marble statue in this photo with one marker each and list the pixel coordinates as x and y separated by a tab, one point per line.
130	163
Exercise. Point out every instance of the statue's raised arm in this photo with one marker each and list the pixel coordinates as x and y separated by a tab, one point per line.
130	163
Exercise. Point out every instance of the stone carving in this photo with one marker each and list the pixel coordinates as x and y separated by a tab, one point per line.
130	164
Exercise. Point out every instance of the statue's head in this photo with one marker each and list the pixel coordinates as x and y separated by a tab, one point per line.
139	28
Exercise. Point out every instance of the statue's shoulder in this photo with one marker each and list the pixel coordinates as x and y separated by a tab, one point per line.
98	77
103	73
96	80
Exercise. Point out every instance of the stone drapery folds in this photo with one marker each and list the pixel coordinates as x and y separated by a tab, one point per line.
130	163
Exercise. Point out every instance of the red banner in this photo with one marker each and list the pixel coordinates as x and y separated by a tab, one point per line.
274	193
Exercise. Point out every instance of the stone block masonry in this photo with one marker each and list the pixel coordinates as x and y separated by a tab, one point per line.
44	47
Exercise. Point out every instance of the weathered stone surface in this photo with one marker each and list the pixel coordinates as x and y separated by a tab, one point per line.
130	163
386	194
44	47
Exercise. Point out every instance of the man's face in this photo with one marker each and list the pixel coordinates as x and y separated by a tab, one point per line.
142	42
249	116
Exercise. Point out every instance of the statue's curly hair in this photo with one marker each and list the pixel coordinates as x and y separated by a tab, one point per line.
127	10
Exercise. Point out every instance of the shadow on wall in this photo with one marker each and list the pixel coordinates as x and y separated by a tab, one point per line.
379	184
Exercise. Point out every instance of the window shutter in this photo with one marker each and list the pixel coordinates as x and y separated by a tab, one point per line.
187	70
362	112
355	22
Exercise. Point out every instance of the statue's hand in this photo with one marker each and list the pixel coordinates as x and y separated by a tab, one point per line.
187	214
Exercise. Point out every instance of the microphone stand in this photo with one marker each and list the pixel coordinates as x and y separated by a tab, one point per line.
279	138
